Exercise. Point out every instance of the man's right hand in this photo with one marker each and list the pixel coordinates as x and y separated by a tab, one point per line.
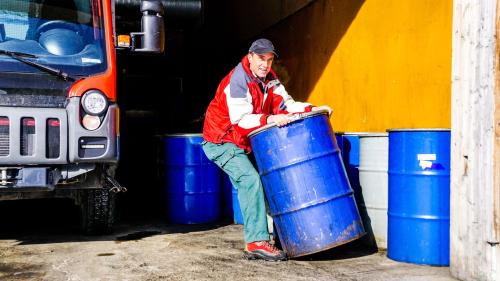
279	119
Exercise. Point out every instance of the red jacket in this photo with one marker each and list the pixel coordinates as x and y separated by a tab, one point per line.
242	104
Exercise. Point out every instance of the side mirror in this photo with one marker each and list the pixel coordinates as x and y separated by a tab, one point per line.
152	37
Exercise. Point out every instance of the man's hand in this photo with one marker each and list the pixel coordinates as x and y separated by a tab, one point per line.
323	107
279	119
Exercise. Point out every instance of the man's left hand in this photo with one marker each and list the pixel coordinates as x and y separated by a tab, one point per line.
323	107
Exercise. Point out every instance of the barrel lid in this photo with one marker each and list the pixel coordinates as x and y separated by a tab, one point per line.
181	135
374	134
293	118
418	130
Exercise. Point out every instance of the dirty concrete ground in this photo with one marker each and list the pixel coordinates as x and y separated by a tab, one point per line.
48	246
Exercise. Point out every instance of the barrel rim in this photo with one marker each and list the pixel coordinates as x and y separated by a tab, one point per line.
301	116
328	247
371	135
357	133
181	135
419	130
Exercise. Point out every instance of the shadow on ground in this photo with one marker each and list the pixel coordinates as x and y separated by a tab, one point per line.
350	250
57	221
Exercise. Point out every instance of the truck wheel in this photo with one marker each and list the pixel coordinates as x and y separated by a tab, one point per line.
97	211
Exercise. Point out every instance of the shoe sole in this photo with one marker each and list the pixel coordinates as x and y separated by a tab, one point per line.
260	256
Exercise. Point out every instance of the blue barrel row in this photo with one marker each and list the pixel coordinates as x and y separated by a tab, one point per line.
418	192
307	188
193	184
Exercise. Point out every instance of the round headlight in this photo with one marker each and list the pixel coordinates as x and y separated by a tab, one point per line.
94	102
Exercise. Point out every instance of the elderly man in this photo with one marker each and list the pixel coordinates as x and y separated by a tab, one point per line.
249	97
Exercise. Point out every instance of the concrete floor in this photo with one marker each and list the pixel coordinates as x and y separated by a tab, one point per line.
46	248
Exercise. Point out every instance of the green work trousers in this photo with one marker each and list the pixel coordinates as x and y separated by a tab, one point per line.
234	162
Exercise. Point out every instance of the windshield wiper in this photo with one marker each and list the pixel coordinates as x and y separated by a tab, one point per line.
21	57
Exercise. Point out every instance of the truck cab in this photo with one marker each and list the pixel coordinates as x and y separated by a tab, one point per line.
59	120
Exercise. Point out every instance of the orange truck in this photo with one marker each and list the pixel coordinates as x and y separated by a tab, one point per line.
59	129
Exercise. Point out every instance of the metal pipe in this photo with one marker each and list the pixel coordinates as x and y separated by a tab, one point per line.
176	9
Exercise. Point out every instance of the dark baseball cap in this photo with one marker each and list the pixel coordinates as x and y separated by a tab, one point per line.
262	46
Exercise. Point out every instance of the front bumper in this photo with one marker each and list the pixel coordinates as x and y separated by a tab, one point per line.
41	178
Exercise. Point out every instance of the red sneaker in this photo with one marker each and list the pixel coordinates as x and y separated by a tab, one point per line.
263	250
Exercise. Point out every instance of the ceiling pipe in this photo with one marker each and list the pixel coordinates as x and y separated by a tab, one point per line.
174	9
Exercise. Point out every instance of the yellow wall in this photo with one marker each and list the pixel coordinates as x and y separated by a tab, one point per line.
378	63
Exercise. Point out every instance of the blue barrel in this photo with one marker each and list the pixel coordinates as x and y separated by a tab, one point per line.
227	197
237	215
231	204
350	148
340	142
350	154
192	181
419	196
306	185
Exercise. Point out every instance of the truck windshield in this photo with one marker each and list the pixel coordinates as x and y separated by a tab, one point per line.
67	35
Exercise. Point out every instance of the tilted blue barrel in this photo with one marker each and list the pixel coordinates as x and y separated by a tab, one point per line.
419	196
306	185
231	205
192	181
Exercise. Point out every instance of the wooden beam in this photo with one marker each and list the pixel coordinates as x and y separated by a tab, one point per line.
475	192
496	149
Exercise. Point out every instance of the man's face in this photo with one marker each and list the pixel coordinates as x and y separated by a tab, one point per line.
260	64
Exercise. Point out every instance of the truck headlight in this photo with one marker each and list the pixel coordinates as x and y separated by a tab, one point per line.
91	122
94	102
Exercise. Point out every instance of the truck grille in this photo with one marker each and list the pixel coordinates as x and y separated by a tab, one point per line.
33	136
27	136
4	136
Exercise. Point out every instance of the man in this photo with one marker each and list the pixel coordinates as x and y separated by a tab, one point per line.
249	97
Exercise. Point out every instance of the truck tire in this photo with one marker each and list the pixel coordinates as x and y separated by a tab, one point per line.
97	208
